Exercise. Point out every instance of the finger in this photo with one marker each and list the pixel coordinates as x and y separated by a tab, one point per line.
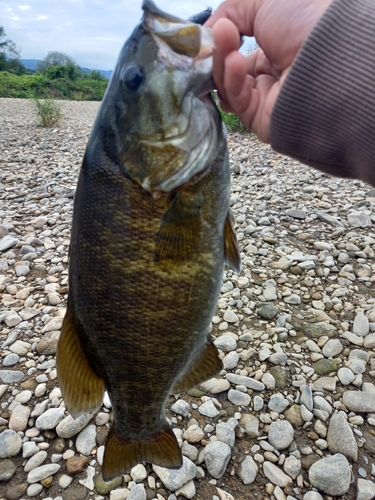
241	13
259	64
225	106
252	99
238	86
226	40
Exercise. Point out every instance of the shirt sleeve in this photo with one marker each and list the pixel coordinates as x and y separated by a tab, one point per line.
325	113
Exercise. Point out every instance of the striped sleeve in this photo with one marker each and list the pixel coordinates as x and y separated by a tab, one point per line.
325	113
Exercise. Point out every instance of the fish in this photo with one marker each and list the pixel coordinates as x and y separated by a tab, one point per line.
151	233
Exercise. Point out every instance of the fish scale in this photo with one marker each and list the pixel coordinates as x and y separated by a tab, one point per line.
147	256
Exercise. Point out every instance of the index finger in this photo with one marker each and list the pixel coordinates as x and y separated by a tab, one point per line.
240	12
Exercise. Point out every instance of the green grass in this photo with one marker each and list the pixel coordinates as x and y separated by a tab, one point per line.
27	86
233	123
48	112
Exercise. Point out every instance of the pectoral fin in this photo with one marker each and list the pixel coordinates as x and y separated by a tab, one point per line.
179	232
231	250
121	454
81	388
205	367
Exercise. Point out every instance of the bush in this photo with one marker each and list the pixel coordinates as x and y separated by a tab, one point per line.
27	86
48	111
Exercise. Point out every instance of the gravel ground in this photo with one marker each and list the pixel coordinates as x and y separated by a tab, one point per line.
292	415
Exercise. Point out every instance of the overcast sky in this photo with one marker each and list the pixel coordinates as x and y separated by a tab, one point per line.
90	31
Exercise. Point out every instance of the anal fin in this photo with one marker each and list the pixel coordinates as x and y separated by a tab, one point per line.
205	367
81	388
122	454
231	250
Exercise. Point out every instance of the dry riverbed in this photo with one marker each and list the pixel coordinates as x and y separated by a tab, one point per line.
292	415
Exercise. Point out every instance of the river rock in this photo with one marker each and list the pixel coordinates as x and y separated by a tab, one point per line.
217	455
280	434
248	470
10	444
175	478
331	475
340	437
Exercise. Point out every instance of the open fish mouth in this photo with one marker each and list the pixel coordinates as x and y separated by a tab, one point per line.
179	150
181	36
191	150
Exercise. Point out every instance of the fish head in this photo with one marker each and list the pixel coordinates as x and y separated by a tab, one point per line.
161	123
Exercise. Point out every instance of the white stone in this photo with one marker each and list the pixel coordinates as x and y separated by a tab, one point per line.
365	489
42	472
276	475
345	375
138	473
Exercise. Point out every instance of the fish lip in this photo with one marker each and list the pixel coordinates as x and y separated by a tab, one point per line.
159	24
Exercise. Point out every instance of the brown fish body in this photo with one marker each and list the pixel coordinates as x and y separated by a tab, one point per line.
144	279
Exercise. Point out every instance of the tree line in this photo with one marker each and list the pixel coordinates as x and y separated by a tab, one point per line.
55	65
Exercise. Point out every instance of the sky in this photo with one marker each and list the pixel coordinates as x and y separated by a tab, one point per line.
90	31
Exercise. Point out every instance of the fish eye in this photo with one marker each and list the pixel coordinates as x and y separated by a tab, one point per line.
133	77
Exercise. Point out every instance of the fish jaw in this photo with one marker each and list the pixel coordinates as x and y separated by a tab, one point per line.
174	161
168	130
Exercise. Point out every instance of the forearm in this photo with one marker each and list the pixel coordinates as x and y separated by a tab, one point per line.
325	113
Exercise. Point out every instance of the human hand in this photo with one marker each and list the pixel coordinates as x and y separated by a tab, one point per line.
248	85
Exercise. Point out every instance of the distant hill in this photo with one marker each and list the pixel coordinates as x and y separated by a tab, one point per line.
32	64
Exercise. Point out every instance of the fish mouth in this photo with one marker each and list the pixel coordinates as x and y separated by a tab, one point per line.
184	143
182	37
191	150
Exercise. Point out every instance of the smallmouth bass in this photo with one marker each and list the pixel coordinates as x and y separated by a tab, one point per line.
151	233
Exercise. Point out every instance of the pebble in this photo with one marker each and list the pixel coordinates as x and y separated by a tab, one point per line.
331	475
365	489
278	403
193	434
7	470
238	398
49	419
248	470
10	444
69	426
280	434
361	324
173	479
88	479
19	418
42	472
292	466
216	456
138	473
359	401
250	424
225	431
226	343
181	407
86	440
345	375
34	489
298	322
35	461
138	492
276	475
11	376
340	437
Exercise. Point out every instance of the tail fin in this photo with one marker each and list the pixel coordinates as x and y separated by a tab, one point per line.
122	454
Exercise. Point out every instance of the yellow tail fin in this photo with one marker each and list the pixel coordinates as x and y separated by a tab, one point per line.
122	454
